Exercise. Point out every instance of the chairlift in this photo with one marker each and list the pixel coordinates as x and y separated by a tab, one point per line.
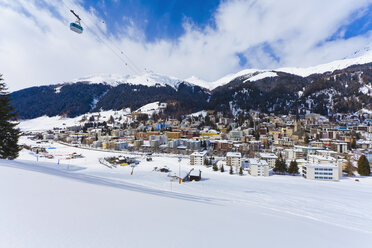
76	26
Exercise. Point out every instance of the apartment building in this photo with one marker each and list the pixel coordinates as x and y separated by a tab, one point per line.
198	158
258	168
234	159
330	172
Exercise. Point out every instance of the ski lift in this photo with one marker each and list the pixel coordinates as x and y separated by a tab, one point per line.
76	26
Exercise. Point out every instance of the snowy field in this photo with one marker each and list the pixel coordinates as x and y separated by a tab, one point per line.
82	203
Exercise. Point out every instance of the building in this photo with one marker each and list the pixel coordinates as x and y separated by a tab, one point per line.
293	154
121	145
108	145
195	175
97	144
198	158
341	147
258	167
330	172
236	135
234	159
173	135
318	159
269	157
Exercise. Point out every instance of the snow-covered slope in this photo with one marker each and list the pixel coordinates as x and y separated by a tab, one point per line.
329	67
261	75
153	79
81	203
255	74
148	79
151	108
46	123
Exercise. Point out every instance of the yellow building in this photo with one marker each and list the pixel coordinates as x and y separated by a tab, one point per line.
108	145
173	135
152	133
209	133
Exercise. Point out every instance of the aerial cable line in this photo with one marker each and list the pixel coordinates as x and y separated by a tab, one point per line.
130	65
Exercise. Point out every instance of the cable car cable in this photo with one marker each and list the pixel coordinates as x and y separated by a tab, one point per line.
130	66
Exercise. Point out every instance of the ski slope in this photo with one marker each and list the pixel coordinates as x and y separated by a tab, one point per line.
81	203
147	79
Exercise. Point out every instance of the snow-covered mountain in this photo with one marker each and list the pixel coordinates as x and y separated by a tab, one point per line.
339	86
147	79
362	56
329	67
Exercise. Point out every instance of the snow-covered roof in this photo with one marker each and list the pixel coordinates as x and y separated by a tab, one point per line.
234	154
268	155
199	154
256	161
321	165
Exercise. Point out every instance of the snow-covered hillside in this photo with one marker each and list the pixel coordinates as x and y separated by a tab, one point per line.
151	108
329	67
44	123
81	203
255	74
148	79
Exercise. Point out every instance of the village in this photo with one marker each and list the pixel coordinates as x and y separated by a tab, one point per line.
253	143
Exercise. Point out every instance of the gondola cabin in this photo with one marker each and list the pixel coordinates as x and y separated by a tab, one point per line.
76	27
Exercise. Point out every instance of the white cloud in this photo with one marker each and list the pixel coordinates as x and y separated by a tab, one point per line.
37	47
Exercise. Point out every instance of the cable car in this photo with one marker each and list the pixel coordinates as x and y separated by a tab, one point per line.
76	26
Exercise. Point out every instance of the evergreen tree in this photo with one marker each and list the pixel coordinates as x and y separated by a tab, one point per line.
111	119
241	171
363	166
215	168
8	133
257	135
353	143
293	168
306	139
277	166
231	170
206	162
280	166
349	169
222	168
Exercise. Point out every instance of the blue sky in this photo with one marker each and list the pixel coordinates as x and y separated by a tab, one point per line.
207	39
160	19
164	19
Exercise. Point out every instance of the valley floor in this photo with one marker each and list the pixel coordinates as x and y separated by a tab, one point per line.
81	203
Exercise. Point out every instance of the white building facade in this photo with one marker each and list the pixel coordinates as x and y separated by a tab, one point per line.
234	159
329	172
258	168
270	158
198	158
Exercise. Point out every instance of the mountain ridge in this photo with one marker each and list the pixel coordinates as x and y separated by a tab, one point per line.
339	86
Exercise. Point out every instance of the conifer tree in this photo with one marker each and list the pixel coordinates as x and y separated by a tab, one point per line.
277	165
349	169
222	168
280	166
241	171
353	143
363	166
293	168
9	134
231	170
215	168
306	139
